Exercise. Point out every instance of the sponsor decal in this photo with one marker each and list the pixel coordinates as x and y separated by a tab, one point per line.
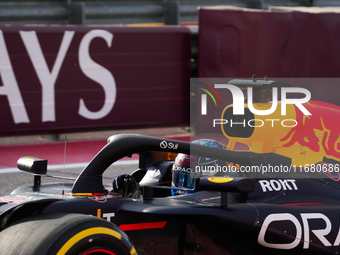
168	145
107	216
318	132
278	185
13	200
48	75
303	230
17	199
220	179
98	199
182	169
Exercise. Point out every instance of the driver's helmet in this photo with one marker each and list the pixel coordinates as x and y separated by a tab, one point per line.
184	172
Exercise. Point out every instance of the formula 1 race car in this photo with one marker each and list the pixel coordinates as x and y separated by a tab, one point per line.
239	214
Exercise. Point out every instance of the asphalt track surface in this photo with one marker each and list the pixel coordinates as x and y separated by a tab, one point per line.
67	157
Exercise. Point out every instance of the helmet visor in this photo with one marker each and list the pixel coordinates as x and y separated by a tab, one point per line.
183	179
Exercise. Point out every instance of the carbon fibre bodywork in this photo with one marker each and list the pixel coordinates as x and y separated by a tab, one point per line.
227	215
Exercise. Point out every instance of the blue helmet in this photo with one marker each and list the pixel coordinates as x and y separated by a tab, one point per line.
184	172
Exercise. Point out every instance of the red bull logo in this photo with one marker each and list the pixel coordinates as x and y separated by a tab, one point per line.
311	140
318	132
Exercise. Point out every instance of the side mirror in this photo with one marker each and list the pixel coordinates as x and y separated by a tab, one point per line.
32	165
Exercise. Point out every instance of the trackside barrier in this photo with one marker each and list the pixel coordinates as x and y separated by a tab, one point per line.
170	12
237	42
73	78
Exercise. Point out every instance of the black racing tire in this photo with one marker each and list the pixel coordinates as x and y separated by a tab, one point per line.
64	234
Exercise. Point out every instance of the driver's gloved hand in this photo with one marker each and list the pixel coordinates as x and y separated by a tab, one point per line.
126	186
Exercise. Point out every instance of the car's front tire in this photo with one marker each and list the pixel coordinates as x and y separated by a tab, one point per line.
64	234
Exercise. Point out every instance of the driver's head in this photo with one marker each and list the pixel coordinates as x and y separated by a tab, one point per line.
184	173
